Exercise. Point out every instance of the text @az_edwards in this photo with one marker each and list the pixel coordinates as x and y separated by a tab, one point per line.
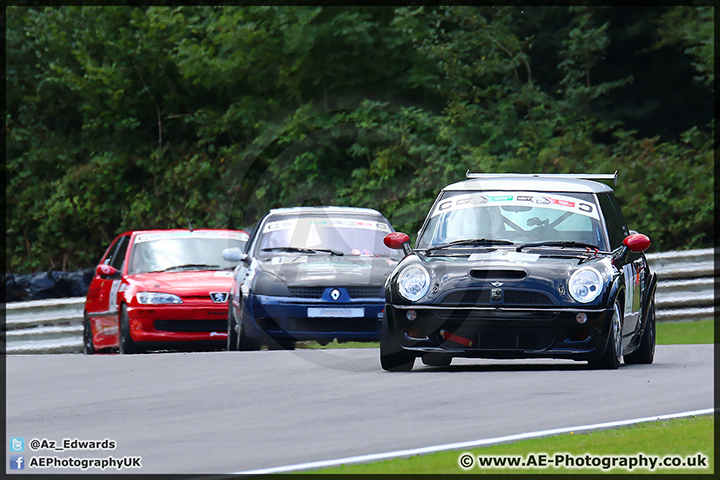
71	444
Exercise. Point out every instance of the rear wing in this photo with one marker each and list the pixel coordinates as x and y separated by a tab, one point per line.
582	176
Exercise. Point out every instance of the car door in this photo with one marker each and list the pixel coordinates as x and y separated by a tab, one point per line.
241	273
635	277
633	264
102	307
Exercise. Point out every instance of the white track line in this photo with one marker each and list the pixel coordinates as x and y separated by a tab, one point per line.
462	445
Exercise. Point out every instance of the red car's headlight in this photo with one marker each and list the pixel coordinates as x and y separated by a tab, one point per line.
154	298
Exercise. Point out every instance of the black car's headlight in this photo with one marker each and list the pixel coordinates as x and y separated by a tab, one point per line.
157	298
268	284
413	283
585	285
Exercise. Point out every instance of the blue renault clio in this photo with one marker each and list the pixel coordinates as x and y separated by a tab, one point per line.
310	273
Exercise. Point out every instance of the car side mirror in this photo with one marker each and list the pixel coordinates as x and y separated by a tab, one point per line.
105	270
637	242
234	255
398	241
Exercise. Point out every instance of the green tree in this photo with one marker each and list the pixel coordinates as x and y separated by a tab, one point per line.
123	117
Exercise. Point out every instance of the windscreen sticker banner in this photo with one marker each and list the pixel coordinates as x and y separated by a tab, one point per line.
148	237
520	199
327	222
504	256
334	269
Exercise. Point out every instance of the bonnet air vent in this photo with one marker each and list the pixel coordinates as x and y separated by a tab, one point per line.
493	274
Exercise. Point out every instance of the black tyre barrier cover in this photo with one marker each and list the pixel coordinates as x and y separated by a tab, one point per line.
51	284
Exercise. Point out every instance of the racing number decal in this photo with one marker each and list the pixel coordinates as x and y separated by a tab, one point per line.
629	273
112	307
639	282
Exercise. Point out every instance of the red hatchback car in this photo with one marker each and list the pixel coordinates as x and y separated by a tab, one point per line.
160	288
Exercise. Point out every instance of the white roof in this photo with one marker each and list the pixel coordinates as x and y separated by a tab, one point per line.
515	182
325	210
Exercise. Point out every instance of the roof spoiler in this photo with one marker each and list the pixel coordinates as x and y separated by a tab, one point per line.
583	176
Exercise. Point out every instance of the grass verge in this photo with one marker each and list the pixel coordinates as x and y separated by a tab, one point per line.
683	333
688	439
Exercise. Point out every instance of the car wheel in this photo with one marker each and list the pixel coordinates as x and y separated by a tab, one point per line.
646	350
244	343
612	356
392	357
232	334
127	345
88	345
436	359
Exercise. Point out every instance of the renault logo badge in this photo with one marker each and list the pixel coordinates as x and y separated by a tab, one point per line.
335	294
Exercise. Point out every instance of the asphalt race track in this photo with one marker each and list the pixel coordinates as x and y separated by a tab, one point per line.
221	412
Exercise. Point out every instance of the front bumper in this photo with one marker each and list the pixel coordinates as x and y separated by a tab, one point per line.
178	323
501	332
289	318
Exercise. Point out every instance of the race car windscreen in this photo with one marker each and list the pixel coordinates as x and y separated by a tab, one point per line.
346	235
518	217
177	252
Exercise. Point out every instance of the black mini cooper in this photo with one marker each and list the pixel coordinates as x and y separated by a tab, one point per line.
521	266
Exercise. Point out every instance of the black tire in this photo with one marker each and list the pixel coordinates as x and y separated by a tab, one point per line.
392	357
645	353
612	356
244	343
232	337
127	345
88	345
436	359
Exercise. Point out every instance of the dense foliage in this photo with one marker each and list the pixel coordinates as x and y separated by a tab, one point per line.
123	118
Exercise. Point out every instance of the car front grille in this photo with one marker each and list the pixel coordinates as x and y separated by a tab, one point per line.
306	292
191	325
469	298
522	297
365	292
532	339
461	316
354	292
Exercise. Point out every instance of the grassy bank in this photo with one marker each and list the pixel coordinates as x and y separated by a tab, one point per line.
688	439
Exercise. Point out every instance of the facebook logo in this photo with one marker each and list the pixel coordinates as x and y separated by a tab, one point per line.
17	444
17	462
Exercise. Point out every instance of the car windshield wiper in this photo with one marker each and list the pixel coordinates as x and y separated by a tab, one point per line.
302	250
558	244
285	249
473	241
190	265
327	250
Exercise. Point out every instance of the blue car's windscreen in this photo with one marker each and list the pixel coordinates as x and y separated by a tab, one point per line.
349	236
518	217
